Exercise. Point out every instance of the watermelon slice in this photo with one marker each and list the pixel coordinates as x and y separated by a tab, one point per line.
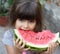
37	41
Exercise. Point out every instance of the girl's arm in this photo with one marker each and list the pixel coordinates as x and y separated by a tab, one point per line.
10	49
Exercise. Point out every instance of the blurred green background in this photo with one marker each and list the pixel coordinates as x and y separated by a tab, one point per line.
5	6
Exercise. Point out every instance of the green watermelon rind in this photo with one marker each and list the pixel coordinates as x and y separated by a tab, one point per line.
40	47
29	44
31	48
15	37
36	49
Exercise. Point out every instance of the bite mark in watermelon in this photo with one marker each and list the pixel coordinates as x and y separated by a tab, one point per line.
37	41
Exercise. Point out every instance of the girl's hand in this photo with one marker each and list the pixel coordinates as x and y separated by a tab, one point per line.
51	48
20	45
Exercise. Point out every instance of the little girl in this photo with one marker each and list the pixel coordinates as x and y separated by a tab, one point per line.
24	15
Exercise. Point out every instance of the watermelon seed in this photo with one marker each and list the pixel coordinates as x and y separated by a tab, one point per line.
37	38
42	38
49	37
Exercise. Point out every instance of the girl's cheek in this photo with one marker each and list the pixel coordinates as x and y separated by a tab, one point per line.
17	26
32	27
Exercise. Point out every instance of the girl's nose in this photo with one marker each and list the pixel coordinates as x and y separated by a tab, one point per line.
26	24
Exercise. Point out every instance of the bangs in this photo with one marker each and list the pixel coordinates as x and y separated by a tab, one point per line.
26	16
27	12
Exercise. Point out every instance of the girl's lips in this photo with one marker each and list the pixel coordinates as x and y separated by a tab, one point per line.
23	29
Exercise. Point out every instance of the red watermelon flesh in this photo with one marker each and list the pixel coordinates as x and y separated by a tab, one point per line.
37	40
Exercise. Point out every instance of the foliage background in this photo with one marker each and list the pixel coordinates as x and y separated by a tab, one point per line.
5	6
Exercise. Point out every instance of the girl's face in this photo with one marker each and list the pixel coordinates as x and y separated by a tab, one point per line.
25	24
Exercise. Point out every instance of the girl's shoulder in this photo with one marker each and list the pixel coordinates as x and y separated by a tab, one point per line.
8	37
9	32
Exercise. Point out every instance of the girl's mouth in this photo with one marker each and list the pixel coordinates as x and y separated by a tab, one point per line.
23	29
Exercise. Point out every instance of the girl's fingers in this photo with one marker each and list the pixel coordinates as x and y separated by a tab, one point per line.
27	48
22	45
52	47
17	41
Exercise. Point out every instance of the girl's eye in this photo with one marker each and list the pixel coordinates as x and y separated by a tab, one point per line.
31	21
21	20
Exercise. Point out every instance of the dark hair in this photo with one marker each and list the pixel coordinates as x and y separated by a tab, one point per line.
28	10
